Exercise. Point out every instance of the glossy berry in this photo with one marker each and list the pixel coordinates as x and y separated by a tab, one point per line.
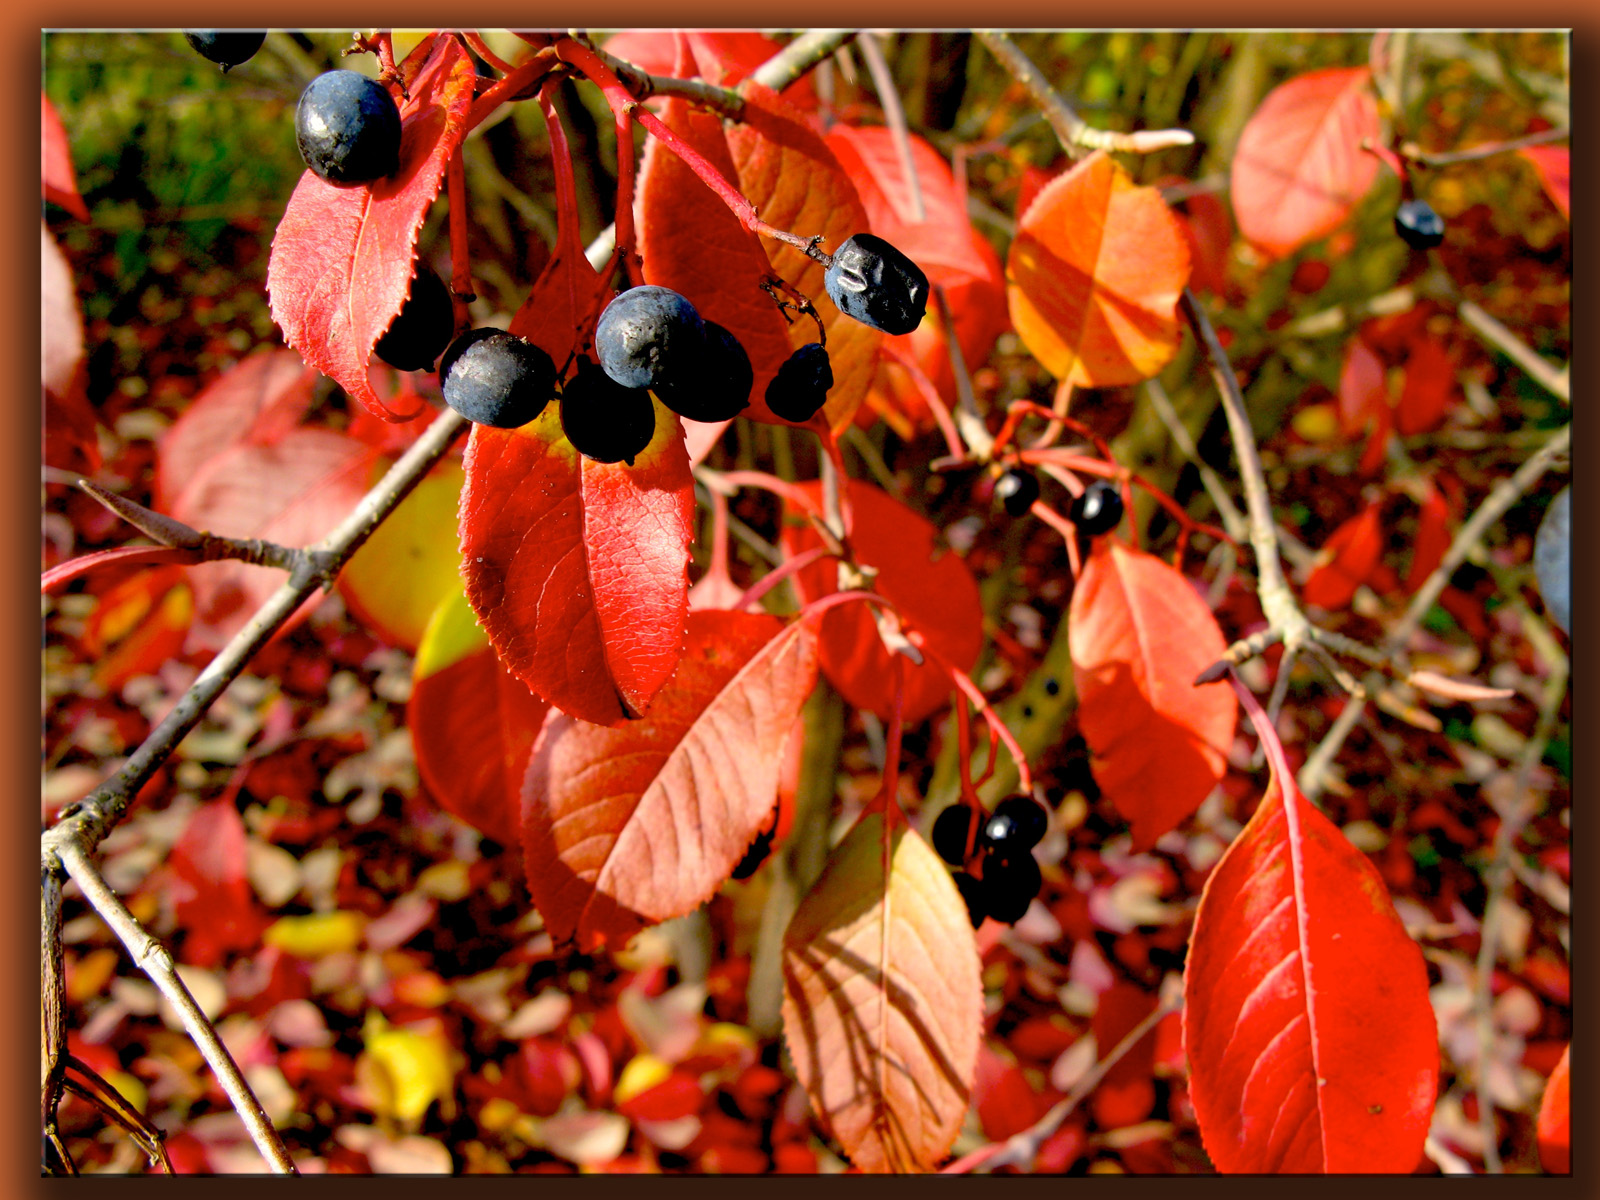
1016	825
648	335
950	831
348	128
604	420
1418	225
422	329
1017	489
801	385
1098	510
1009	886
495	378
230	47
719	387
972	893
877	285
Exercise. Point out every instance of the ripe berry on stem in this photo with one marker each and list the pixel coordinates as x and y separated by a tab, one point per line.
951	830
1017	489
422	328
720	389
1098	510
972	893
495	378
348	128
1016	825
1009	885
604	420
877	285
648	336
800	388
229	47
1418	225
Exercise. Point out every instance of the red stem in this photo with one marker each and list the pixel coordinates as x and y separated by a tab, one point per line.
970	689
778	574
525	76
461	285
930	396
782	488
475	40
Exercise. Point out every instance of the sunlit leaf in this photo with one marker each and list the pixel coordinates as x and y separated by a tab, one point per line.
1346	561
208	887
60	181
1555	1118
1554	165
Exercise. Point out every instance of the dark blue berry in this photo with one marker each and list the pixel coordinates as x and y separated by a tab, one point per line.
1017	489
650	336
719	389
800	387
972	892
1009	886
422	328
495	378
1017	824
1418	225
230	47
1099	508
950	832
604	420
754	856
877	285
348	128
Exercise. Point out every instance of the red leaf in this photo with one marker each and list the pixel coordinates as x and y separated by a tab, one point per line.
343	257
933	589
1208	228
579	570
1431	541
1299	170
1127	1093
60	181
58	576
1311	1039
1555	1118
138	626
684	227
721	56
628	826
944	244
1095	273
1363	388
1430	385
472	723
1554	165
1345	562
1139	635
209	889
60	326
1005	1101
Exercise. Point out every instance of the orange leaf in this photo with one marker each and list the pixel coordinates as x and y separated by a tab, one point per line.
60	181
787	171
1431	541
1345	562
579	570
933	590
1430	385
1311	1040
1299	170
1095	273
1139	634
628	826
883	1000
1555	1118
1554	165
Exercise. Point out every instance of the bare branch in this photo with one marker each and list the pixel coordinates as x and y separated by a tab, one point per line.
799	56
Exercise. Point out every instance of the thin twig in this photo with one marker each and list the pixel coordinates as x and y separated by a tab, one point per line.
1473	153
800	56
895	117
1554	380
154	959
725	102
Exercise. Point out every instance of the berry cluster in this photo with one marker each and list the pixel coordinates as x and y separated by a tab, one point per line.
1097	511
1007	877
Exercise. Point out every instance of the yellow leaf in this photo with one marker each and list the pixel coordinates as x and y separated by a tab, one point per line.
316	934
641	1074
412	1068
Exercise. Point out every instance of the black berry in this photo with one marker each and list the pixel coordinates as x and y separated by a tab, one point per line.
1017	824
972	891
719	389
604	420
877	285
1009	886
1017	489
950	832
649	335
801	385
422	329
348	128
230	47
1099	508
1418	225
754	856
495	378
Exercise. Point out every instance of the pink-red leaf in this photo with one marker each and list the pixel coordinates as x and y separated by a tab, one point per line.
883	1000
1299	170
932	588
1139	635
1430	385
1363	388
60	181
628	826
579	570
1555	1118
60	326
1554	165
58	576
343	257
1346	561
209	888
1431	540
1095	273
1311	1040
472	723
